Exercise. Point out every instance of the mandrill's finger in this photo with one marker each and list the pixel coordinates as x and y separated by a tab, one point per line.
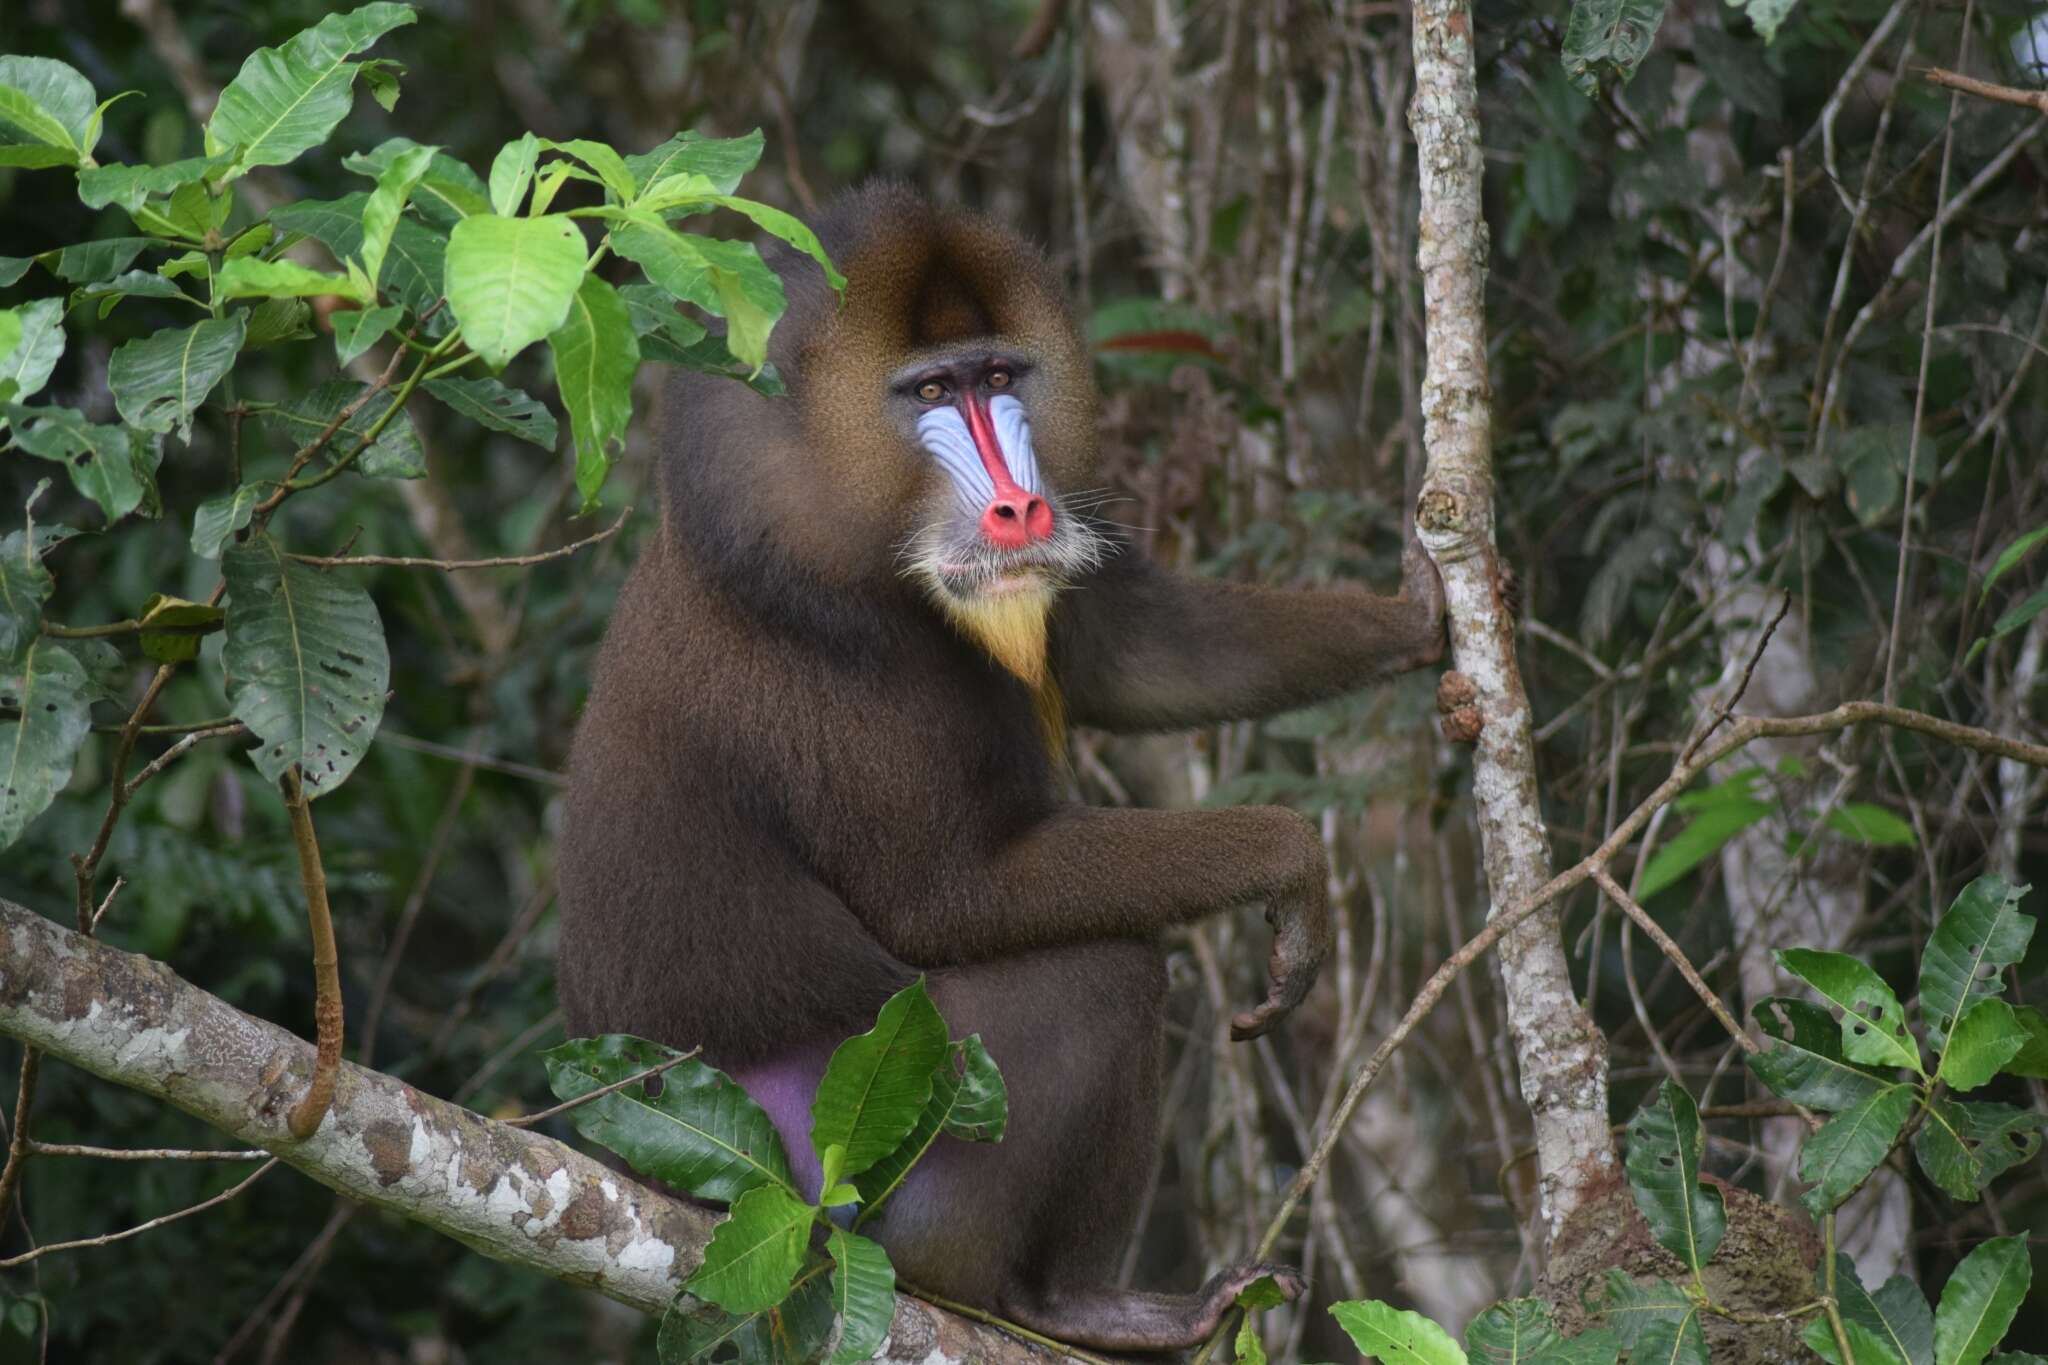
1249	1024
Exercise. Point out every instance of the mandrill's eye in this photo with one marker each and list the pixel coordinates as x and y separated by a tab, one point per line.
998	379
931	391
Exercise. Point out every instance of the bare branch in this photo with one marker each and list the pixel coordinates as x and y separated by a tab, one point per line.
107	1239
456	565
1986	90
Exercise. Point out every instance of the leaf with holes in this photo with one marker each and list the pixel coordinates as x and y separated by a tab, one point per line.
1520	1332
24	586
863	1296
1979	1301
877	1083
1963	1146
1807	1066
1989	1036
499	407
511	280
306	664
701	1133
286	100
114	466
395	454
49	695
1608	38
1873	1023
1386	1333
37	348
1982	934
159	381
595	355
1850	1145
1685	1216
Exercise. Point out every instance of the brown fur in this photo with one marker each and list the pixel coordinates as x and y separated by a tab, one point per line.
802	778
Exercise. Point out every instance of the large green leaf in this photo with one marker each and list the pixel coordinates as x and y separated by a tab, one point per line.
511	281
701	1133
46	113
46	696
725	278
91	262
1989	1036
159	381
130	186
395	454
40	345
863	1296
1686	1217
24	586
877	1083
1807	1066
499	407
1609	38
1963	1146
791	230
1396	1336
1979	1300
969	1101
1519	1332
596	355
286	100
1897	1314
114	466
720	160
1982	934
756	1252
1873	1023
1850	1145
1657	1323
448	192
306	663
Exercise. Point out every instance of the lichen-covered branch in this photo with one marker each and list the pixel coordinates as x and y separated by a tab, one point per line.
1561	1055
513	1195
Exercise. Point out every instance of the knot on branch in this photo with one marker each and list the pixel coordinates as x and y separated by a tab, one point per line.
1457	702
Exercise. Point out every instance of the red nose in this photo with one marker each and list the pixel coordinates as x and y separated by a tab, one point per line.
1016	519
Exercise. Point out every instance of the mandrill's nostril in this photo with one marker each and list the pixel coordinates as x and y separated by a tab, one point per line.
1015	520
1005	511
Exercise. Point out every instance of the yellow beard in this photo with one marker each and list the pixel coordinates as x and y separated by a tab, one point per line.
1011	626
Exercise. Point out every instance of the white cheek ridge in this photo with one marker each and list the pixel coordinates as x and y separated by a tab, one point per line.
945	435
1013	433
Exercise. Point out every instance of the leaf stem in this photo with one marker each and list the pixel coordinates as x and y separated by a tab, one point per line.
305	1116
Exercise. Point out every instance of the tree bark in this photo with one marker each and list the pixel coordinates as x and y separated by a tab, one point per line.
513	1195
1562	1057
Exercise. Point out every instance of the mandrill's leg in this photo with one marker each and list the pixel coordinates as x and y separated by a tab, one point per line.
1033	1227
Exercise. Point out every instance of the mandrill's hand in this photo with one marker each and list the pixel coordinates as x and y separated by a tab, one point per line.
1423	589
1301	940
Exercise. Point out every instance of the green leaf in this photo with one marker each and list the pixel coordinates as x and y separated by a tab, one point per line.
396	452
278	320
387	201
1519	1332
33	358
2032	1058
159	381
49	695
755	1253
44	104
1767	15
1385	1333
1686	1218
863	1296
1605	38
1896	1315
218	518
1982	934
413	263
795	1330
610	167
725	278
252	277
130	186
1869	1348
1850	1145
2020	615
448	192
114	466
10	334
1979	1300
173	626
512	174
1254	1298
1807	1066
877	1083
306	664
1863	823
969	1101
663	331
144	284
721	160
2009	558
702	1133
511	280
596	355
24	586
791	230
286	100
1656	1322
91	262
1873	1022
1550	176
1721	813
1965	1146
1989	1036
499	407
358	329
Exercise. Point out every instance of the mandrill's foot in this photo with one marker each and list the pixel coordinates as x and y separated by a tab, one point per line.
1109	1320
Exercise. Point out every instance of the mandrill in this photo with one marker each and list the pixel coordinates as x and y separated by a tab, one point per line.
822	755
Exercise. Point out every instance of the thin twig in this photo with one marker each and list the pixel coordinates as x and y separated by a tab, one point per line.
1756	657
145	1153
304	1118
456	565
178	750
108	1239
528	1120
1986	90
1677	956
18	1143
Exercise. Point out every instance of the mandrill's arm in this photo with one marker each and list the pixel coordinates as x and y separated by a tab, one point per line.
1136	647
